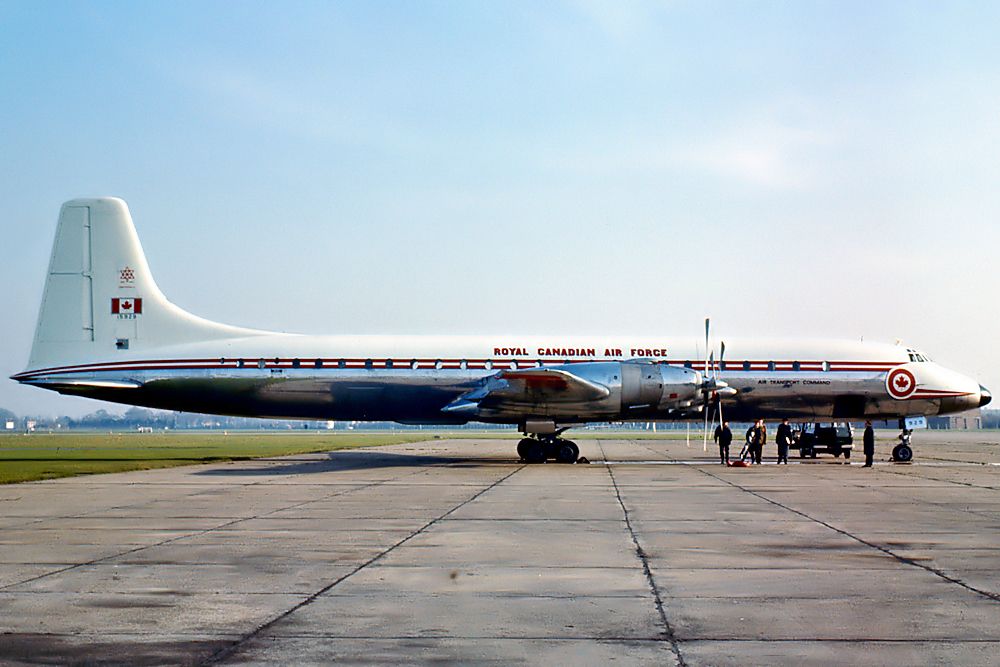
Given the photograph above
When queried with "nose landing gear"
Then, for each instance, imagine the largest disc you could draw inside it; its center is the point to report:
(903, 452)
(542, 448)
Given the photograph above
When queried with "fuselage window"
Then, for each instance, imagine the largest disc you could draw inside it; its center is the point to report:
(746, 365)
(222, 361)
(296, 363)
(488, 365)
(688, 364)
(240, 364)
(368, 364)
(438, 365)
(318, 363)
(260, 363)
(414, 364)
(388, 363)
(826, 366)
(513, 365)
(463, 364)
(341, 363)
(770, 365)
(796, 366)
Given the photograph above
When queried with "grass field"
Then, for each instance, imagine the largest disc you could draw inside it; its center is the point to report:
(25, 458)
(37, 456)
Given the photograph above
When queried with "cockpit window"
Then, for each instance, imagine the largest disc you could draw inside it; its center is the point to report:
(917, 356)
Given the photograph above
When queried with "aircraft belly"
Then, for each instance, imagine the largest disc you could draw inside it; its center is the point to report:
(347, 397)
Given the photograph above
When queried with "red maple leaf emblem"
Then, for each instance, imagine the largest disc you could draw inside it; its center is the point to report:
(126, 305)
(902, 382)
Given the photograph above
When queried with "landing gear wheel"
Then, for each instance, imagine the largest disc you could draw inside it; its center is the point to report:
(523, 448)
(568, 452)
(551, 448)
(847, 453)
(531, 450)
(902, 453)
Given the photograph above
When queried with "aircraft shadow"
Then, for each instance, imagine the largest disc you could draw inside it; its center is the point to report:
(340, 461)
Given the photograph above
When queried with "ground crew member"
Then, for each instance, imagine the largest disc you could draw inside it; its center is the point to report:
(759, 439)
(748, 447)
(723, 436)
(784, 439)
(869, 442)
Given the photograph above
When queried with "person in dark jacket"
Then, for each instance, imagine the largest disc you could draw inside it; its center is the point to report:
(748, 447)
(759, 440)
(723, 436)
(869, 442)
(784, 438)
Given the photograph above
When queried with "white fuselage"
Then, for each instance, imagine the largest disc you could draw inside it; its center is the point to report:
(412, 378)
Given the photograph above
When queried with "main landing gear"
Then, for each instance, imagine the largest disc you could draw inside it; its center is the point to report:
(540, 449)
(903, 452)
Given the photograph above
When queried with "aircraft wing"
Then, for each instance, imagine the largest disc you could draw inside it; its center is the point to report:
(549, 385)
(530, 386)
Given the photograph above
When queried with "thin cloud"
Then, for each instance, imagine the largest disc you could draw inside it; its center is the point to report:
(769, 155)
(618, 20)
(287, 108)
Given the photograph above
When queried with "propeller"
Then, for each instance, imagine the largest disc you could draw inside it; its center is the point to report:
(708, 362)
(712, 387)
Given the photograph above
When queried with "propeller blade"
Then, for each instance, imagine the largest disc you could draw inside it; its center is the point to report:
(707, 324)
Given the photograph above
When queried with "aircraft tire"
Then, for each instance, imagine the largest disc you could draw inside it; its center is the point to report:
(534, 450)
(522, 448)
(551, 448)
(902, 453)
(847, 453)
(568, 452)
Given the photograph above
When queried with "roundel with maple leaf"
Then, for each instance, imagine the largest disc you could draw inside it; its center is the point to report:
(900, 383)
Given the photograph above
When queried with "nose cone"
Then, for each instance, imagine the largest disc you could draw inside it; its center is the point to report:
(984, 396)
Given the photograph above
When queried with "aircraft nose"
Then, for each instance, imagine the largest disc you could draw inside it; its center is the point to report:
(984, 396)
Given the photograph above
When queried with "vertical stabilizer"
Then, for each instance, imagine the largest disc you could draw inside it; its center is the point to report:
(100, 299)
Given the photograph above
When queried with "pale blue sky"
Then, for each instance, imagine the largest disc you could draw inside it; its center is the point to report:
(801, 168)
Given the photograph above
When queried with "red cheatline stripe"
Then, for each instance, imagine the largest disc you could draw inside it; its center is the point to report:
(333, 362)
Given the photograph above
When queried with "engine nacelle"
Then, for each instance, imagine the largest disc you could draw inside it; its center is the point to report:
(656, 386)
(618, 390)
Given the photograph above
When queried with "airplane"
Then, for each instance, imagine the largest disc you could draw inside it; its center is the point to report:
(106, 331)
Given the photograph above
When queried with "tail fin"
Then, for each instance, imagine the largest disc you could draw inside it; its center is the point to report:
(100, 298)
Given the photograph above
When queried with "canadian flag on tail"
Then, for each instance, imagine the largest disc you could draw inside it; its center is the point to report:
(126, 306)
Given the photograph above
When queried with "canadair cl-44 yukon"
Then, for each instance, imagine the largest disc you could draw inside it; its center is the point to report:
(105, 331)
